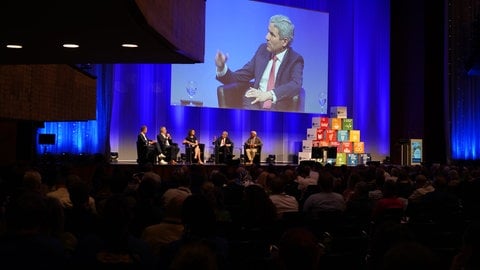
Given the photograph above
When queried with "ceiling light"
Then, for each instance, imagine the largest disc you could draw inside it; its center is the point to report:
(70, 45)
(129, 45)
(14, 46)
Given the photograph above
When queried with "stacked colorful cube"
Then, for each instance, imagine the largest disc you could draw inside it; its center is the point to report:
(335, 131)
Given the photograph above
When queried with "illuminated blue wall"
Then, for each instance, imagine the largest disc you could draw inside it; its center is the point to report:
(85, 137)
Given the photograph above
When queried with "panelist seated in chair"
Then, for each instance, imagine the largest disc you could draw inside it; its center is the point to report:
(223, 148)
(276, 70)
(168, 149)
(253, 147)
(193, 147)
(146, 148)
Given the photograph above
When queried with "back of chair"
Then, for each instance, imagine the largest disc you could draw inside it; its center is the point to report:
(231, 96)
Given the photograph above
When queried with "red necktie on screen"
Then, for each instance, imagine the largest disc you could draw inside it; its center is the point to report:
(271, 83)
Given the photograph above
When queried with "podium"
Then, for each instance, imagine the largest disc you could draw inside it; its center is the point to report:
(324, 153)
(411, 152)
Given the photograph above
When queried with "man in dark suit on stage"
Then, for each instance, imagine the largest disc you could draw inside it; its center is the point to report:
(146, 148)
(223, 148)
(166, 146)
(276, 68)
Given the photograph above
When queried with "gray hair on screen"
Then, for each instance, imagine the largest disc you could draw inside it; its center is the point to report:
(284, 25)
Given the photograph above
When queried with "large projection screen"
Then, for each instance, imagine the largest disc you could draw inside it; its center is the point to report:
(238, 27)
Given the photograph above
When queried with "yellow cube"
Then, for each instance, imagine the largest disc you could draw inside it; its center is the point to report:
(335, 123)
(358, 147)
(354, 135)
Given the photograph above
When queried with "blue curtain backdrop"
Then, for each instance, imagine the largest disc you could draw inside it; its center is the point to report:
(140, 94)
(85, 137)
(465, 115)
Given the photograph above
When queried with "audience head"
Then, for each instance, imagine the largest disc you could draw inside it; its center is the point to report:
(32, 181)
(258, 209)
(412, 256)
(325, 181)
(303, 170)
(470, 247)
(277, 185)
(218, 178)
(116, 218)
(361, 190)
(389, 189)
(79, 194)
(197, 255)
(173, 208)
(26, 214)
(299, 249)
(198, 216)
(420, 180)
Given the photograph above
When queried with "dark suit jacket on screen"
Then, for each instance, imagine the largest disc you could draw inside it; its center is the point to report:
(288, 82)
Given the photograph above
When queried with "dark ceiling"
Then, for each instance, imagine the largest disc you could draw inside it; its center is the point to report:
(99, 27)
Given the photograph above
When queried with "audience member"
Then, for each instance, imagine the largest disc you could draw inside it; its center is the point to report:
(62, 193)
(114, 246)
(422, 187)
(412, 256)
(198, 218)
(169, 229)
(26, 243)
(181, 192)
(80, 220)
(389, 206)
(283, 202)
(326, 199)
(468, 257)
(298, 249)
(304, 179)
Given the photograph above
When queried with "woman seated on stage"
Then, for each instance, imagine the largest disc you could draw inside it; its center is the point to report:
(192, 141)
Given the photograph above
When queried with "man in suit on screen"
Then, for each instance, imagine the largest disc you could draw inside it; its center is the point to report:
(277, 69)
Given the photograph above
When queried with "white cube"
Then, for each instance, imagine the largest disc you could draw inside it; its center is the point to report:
(307, 145)
(316, 122)
(311, 133)
(304, 156)
(338, 112)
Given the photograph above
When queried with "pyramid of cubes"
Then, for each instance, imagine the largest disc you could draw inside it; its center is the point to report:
(334, 140)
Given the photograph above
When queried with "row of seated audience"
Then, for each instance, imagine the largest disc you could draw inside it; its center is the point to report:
(237, 217)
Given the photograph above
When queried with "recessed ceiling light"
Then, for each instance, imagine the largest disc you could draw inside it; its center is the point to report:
(129, 45)
(70, 45)
(14, 46)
